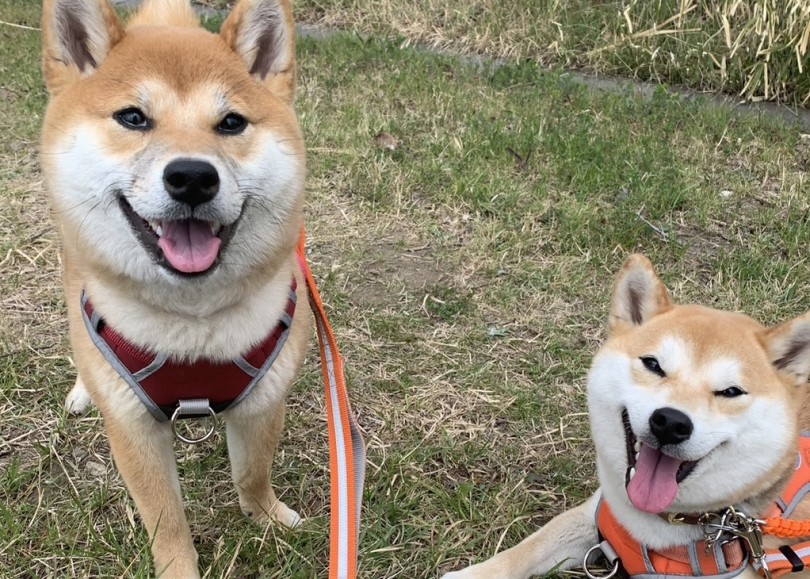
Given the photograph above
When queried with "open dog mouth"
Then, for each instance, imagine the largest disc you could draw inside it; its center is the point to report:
(189, 247)
(652, 477)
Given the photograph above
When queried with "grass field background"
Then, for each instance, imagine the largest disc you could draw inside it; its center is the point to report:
(757, 48)
(467, 273)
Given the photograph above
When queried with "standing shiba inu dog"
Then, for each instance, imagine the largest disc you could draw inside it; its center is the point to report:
(175, 168)
(692, 410)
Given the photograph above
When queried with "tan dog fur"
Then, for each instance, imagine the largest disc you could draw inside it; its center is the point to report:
(185, 79)
(744, 445)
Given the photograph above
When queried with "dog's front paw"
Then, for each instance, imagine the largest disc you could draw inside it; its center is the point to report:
(279, 512)
(78, 399)
(286, 516)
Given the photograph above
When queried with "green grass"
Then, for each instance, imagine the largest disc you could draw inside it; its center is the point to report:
(467, 275)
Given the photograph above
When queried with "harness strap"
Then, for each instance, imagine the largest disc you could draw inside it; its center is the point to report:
(799, 484)
(638, 560)
(722, 560)
(790, 558)
(787, 559)
(347, 454)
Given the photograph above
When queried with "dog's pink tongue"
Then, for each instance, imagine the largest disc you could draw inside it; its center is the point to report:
(654, 486)
(189, 245)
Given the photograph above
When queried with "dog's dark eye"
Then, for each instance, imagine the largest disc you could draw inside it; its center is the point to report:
(731, 392)
(133, 118)
(232, 124)
(653, 366)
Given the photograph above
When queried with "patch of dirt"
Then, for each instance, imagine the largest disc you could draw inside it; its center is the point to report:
(393, 269)
(702, 248)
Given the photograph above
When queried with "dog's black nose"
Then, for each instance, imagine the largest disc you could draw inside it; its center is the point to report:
(670, 426)
(191, 182)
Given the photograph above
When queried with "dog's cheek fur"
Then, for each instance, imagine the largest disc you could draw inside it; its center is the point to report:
(750, 462)
(273, 174)
(82, 185)
(607, 380)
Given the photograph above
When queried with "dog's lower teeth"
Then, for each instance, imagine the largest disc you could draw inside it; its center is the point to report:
(632, 473)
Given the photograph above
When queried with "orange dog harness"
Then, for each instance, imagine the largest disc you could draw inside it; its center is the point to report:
(724, 556)
(792, 558)
(699, 559)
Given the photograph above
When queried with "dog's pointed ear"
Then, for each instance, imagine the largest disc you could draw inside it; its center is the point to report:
(262, 33)
(788, 346)
(638, 294)
(76, 37)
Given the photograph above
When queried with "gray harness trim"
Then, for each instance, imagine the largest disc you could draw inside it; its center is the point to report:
(787, 510)
(91, 324)
(693, 559)
(259, 374)
(647, 563)
(156, 365)
(719, 556)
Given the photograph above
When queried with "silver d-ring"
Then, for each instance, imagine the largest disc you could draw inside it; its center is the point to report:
(211, 415)
(588, 572)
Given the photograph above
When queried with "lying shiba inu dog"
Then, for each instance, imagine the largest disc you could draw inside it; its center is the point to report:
(692, 411)
(174, 165)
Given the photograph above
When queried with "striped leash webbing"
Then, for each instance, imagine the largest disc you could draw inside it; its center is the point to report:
(347, 453)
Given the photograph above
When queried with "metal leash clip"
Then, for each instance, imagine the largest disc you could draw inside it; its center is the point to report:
(194, 408)
(738, 525)
(608, 554)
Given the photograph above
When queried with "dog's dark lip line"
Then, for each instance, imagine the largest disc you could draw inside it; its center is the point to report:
(149, 239)
(684, 470)
(143, 231)
(630, 443)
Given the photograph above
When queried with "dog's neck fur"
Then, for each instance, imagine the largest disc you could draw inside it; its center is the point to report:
(183, 321)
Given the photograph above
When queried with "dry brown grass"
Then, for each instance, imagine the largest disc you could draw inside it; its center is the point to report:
(757, 49)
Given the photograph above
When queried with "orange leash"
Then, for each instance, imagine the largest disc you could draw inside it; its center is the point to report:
(347, 453)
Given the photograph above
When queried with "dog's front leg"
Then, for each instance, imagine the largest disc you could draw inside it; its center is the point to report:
(561, 543)
(252, 442)
(143, 450)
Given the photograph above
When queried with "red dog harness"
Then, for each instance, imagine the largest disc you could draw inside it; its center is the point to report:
(197, 388)
(722, 558)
